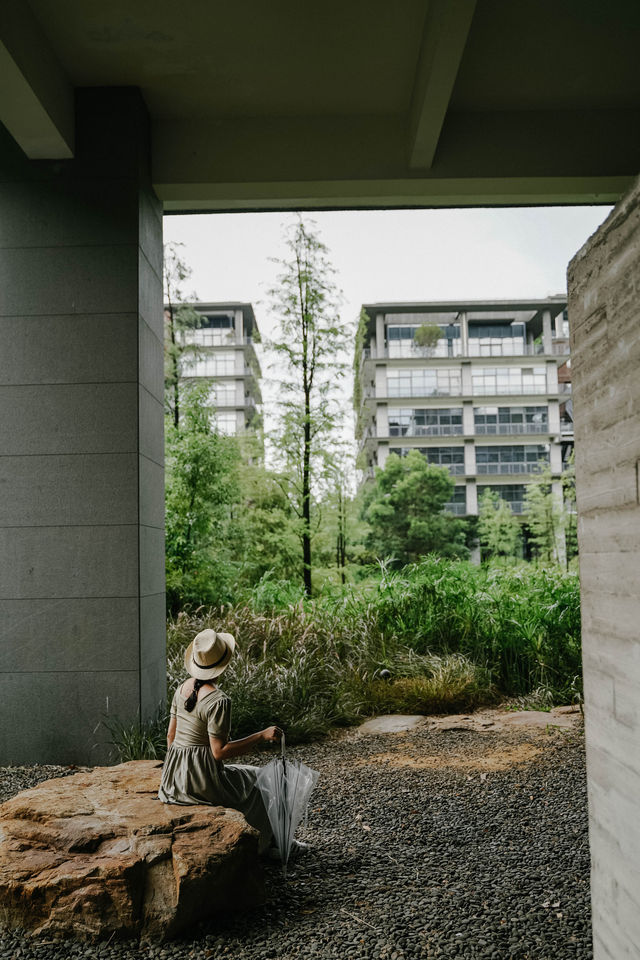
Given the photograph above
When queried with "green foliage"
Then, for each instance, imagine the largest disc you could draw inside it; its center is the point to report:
(570, 512)
(498, 529)
(403, 507)
(180, 319)
(427, 335)
(200, 485)
(360, 338)
(521, 622)
(139, 739)
(543, 516)
(315, 664)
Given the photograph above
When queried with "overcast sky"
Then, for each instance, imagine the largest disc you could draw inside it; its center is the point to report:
(392, 255)
(389, 255)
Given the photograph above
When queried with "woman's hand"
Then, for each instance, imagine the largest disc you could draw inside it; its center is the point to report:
(271, 733)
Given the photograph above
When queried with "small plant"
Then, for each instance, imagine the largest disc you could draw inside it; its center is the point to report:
(427, 335)
(139, 739)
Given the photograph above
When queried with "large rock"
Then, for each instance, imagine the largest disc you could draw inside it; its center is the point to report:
(96, 854)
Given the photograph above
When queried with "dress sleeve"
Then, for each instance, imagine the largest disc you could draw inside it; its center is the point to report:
(219, 718)
(173, 712)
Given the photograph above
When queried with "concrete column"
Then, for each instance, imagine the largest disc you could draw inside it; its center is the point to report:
(468, 423)
(553, 416)
(467, 388)
(547, 343)
(380, 335)
(472, 498)
(555, 457)
(604, 316)
(239, 325)
(81, 438)
(382, 420)
(383, 453)
(464, 333)
(552, 376)
(469, 457)
(381, 381)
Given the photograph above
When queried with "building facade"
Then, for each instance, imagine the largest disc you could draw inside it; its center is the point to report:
(482, 388)
(225, 356)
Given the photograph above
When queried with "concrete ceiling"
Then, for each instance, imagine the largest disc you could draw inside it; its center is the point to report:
(366, 103)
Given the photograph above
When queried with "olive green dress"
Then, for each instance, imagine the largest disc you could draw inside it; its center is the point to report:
(191, 774)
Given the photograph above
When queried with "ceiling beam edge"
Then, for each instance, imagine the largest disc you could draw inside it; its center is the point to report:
(36, 98)
(446, 29)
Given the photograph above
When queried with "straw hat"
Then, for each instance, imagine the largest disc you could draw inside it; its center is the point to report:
(208, 654)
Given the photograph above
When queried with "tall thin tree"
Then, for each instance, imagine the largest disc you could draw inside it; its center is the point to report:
(180, 320)
(310, 350)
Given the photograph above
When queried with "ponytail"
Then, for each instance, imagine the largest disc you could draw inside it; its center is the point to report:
(192, 699)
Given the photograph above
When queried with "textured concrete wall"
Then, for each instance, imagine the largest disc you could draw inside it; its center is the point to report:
(604, 312)
(81, 438)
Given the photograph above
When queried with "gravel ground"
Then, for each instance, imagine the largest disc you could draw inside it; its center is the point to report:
(426, 844)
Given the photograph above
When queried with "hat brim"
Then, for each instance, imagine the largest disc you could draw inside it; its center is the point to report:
(212, 672)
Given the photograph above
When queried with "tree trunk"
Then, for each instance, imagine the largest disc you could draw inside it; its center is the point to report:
(306, 499)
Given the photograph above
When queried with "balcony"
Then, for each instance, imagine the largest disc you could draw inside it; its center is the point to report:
(501, 469)
(494, 429)
(433, 430)
(457, 509)
(504, 348)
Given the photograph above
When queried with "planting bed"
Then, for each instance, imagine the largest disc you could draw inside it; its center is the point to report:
(429, 842)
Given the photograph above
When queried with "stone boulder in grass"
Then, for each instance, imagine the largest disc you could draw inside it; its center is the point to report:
(97, 855)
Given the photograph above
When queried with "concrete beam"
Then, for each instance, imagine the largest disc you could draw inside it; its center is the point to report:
(332, 162)
(446, 29)
(36, 98)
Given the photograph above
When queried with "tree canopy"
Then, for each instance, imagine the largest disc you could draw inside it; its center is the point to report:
(404, 510)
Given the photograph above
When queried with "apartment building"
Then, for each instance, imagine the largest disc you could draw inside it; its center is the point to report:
(226, 357)
(488, 398)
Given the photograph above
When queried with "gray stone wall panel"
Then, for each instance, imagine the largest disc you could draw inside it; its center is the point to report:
(69, 490)
(51, 419)
(84, 348)
(63, 562)
(66, 714)
(81, 634)
(604, 312)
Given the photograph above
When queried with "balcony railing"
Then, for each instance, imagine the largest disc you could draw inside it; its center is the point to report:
(511, 428)
(446, 349)
(431, 430)
(505, 348)
(503, 468)
(458, 509)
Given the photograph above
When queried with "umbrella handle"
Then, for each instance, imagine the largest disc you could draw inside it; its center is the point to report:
(282, 744)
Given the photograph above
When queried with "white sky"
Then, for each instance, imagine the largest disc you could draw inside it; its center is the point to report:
(390, 255)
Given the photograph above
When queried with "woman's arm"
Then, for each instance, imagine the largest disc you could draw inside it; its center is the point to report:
(171, 732)
(235, 748)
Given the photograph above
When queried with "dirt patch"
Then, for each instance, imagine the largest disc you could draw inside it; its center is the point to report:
(500, 759)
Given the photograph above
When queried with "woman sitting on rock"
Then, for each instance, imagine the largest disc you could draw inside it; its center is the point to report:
(198, 740)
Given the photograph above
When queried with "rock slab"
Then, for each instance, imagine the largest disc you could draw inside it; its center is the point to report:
(97, 855)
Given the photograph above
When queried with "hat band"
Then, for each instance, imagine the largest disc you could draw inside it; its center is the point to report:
(209, 666)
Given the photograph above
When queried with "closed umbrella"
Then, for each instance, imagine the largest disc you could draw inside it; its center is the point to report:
(286, 786)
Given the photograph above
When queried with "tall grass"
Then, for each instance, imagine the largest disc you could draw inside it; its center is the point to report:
(438, 636)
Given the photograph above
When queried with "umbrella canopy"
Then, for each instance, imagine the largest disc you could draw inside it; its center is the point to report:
(286, 786)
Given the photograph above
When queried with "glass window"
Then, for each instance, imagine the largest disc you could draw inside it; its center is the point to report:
(425, 422)
(458, 502)
(211, 365)
(450, 457)
(510, 420)
(401, 341)
(442, 381)
(516, 458)
(513, 493)
(508, 380)
(226, 423)
(223, 393)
